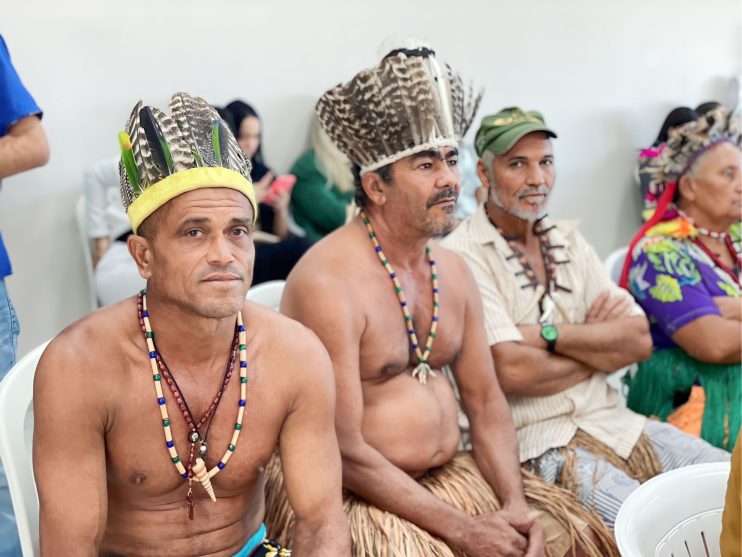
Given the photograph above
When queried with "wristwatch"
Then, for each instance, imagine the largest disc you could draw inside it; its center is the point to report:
(550, 334)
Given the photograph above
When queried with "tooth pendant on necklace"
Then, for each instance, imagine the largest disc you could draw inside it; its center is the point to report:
(421, 371)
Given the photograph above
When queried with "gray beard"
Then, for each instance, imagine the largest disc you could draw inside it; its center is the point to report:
(523, 215)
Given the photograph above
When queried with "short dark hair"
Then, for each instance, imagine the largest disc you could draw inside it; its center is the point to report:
(385, 173)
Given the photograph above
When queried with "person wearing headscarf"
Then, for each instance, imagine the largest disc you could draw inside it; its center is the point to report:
(683, 268)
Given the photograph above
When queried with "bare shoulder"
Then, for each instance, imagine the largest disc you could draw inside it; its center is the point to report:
(94, 340)
(331, 266)
(335, 251)
(83, 367)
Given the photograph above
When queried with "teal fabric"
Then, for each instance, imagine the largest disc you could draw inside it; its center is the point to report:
(316, 207)
(252, 544)
(652, 390)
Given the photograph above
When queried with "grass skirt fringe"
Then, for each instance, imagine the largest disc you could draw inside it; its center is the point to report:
(642, 464)
(377, 533)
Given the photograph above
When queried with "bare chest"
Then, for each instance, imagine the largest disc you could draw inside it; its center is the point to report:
(139, 464)
(394, 339)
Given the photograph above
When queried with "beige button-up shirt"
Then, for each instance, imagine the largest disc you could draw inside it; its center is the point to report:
(547, 422)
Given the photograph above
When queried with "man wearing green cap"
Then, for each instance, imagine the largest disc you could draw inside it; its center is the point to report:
(557, 325)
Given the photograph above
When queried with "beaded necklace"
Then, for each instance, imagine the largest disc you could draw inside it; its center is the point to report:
(423, 369)
(703, 231)
(724, 237)
(550, 262)
(157, 365)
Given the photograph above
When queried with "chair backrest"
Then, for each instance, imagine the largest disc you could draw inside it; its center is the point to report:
(82, 228)
(267, 293)
(613, 264)
(16, 438)
(675, 513)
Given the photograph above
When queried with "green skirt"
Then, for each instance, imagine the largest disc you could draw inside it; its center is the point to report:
(652, 390)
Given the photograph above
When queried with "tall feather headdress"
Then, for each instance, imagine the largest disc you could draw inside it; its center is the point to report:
(164, 156)
(406, 104)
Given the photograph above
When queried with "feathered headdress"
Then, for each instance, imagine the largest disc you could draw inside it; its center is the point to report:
(685, 144)
(164, 156)
(406, 104)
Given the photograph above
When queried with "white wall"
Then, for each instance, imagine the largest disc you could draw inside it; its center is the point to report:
(603, 73)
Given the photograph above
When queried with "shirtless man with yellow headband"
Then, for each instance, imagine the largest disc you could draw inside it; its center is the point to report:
(155, 417)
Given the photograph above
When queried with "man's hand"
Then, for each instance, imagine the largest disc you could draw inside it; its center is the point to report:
(607, 307)
(526, 523)
(730, 307)
(493, 535)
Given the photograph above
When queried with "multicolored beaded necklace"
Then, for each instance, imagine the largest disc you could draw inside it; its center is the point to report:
(703, 231)
(715, 257)
(423, 369)
(158, 365)
(550, 262)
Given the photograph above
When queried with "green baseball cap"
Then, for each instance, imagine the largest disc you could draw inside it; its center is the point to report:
(500, 132)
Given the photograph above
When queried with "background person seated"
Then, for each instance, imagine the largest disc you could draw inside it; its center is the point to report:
(684, 270)
(323, 193)
(273, 261)
(115, 274)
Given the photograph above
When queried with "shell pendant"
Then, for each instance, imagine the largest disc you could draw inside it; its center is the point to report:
(422, 371)
(199, 470)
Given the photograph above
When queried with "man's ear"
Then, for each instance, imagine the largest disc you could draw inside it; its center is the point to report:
(374, 188)
(140, 250)
(483, 174)
(687, 188)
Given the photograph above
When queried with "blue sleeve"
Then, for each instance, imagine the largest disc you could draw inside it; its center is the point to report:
(15, 101)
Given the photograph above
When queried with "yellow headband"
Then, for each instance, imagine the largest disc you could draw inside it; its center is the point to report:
(155, 196)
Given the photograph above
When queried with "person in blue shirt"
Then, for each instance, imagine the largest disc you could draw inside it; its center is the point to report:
(23, 146)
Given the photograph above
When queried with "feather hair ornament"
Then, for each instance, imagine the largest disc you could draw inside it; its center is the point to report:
(686, 143)
(163, 156)
(408, 103)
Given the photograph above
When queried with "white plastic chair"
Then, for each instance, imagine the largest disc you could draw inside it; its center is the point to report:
(16, 439)
(267, 293)
(80, 217)
(614, 263)
(675, 514)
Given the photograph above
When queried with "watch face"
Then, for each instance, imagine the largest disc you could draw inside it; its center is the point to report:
(549, 333)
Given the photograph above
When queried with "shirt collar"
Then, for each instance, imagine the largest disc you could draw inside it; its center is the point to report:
(484, 232)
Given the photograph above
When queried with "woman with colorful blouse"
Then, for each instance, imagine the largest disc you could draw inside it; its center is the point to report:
(683, 268)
